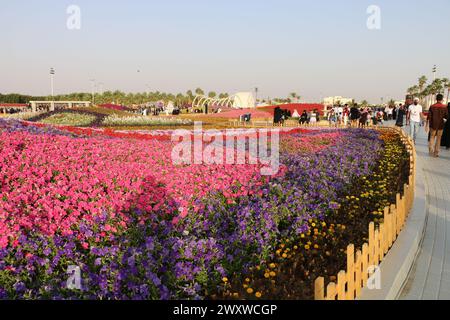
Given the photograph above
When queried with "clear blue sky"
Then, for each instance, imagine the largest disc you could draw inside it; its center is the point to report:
(315, 48)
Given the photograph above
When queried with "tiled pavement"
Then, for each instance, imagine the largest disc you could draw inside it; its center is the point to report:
(429, 279)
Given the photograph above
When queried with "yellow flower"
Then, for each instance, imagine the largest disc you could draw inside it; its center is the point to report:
(249, 290)
(272, 274)
(225, 279)
(247, 280)
(258, 294)
(284, 255)
(316, 246)
(266, 275)
(272, 265)
(307, 247)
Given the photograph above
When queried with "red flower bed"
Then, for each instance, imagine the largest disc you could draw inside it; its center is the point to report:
(114, 107)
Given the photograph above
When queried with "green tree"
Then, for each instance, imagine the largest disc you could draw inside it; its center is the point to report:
(293, 95)
(422, 82)
(445, 86)
(199, 92)
(414, 90)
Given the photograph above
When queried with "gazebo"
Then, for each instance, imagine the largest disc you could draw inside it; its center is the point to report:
(240, 100)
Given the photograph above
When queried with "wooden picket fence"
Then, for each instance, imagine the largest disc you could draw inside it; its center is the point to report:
(360, 264)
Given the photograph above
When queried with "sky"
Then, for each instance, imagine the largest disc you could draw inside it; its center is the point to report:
(314, 48)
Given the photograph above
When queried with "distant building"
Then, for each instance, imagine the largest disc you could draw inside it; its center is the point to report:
(330, 101)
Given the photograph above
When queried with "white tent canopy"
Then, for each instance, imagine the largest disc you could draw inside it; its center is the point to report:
(241, 100)
(244, 100)
(295, 114)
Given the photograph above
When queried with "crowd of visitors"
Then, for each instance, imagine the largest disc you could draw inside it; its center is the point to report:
(356, 116)
(435, 122)
(410, 115)
(309, 118)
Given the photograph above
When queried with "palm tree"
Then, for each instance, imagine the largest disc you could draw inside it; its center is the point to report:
(293, 95)
(446, 86)
(179, 99)
(212, 94)
(448, 90)
(190, 95)
(199, 92)
(414, 90)
(422, 82)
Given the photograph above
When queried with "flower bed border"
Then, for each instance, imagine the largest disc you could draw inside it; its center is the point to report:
(360, 265)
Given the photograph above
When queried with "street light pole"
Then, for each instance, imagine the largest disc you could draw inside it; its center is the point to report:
(52, 74)
(93, 91)
(434, 72)
(256, 96)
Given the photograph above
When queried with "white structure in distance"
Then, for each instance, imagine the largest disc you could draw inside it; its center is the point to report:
(295, 114)
(331, 101)
(240, 100)
(170, 107)
(244, 100)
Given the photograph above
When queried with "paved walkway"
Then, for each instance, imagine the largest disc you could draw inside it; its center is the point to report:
(429, 279)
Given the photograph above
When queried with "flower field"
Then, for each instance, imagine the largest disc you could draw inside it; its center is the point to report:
(114, 120)
(74, 119)
(102, 116)
(140, 227)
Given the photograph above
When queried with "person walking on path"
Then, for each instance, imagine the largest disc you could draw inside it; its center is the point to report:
(437, 118)
(400, 115)
(415, 114)
(313, 118)
(363, 119)
(445, 142)
(346, 115)
(304, 118)
(354, 115)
